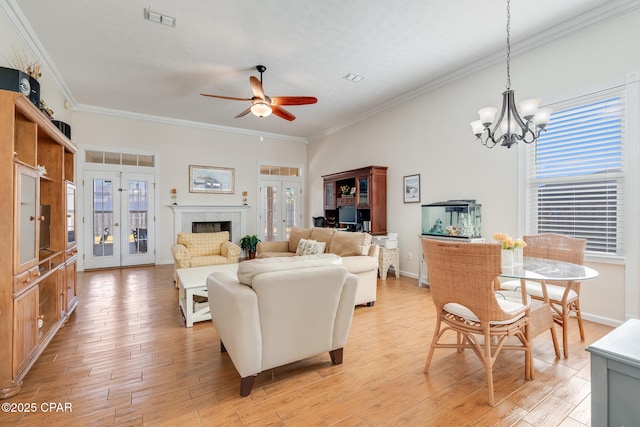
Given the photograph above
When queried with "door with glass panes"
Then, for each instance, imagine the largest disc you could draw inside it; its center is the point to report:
(280, 209)
(119, 219)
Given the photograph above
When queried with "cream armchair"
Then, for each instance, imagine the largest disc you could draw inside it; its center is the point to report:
(285, 312)
(200, 249)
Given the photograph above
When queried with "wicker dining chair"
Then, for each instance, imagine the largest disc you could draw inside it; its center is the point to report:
(540, 317)
(563, 296)
(461, 279)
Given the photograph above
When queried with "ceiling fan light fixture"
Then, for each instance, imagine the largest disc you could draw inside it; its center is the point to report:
(261, 109)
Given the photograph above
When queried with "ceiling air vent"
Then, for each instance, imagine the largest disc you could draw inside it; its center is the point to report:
(353, 77)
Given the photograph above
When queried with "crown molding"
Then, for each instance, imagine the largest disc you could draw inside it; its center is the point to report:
(605, 12)
(185, 123)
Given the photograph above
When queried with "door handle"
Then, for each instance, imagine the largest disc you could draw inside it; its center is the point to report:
(116, 224)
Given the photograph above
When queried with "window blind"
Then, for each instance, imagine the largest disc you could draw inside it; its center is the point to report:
(575, 172)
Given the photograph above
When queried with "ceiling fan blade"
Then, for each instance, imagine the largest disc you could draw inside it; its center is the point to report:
(244, 113)
(281, 112)
(256, 87)
(293, 100)
(226, 97)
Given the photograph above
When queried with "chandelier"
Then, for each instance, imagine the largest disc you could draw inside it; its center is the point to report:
(512, 126)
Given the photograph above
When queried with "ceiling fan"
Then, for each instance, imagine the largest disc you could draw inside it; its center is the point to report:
(262, 105)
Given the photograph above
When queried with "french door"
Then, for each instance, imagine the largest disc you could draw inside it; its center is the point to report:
(119, 219)
(280, 209)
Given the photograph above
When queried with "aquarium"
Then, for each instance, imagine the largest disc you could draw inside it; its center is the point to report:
(453, 218)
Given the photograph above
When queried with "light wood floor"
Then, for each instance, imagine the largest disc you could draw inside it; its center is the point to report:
(125, 358)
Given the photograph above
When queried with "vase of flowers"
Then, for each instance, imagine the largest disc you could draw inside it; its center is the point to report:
(509, 246)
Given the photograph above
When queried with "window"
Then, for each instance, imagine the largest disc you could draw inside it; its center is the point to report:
(106, 157)
(575, 179)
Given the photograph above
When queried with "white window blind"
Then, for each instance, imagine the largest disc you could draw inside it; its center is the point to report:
(575, 172)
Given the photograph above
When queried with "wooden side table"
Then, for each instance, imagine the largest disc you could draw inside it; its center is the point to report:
(386, 259)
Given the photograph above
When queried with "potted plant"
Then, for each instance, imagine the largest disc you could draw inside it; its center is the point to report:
(249, 244)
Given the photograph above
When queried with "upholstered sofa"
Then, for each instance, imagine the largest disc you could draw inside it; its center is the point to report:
(200, 249)
(359, 255)
(280, 310)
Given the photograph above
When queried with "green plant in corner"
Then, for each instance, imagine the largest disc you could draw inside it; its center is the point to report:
(249, 243)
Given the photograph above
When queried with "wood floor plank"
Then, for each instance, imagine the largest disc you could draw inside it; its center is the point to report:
(125, 358)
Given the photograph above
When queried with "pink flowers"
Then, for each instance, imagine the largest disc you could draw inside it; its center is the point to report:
(507, 242)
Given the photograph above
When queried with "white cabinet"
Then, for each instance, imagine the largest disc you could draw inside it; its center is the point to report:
(615, 376)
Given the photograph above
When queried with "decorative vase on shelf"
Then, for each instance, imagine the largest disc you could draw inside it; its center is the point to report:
(507, 258)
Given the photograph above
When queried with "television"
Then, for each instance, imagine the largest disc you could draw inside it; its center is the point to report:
(45, 227)
(347, 215)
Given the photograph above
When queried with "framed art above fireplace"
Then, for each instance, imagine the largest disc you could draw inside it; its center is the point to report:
(211, 179)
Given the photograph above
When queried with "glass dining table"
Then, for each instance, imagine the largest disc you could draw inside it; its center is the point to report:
(544, 270)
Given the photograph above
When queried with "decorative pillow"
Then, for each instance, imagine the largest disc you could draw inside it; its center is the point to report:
(248, 269)
(310, 247)
(301, 245)
(366, 244)
(314, 248)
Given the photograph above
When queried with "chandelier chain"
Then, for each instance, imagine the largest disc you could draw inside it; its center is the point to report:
(508, 44)
(523, 122)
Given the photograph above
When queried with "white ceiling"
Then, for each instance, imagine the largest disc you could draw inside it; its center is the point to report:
(106, 56)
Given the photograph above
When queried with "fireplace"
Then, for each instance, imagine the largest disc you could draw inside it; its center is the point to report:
(235, 215)
(211, 227)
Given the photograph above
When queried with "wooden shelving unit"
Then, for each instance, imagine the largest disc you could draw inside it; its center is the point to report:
(38, 266)
(369, 197)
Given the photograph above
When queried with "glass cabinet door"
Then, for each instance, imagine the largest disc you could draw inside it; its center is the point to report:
(363, 191)
(71, 215)
(330, 195)
(27, 216)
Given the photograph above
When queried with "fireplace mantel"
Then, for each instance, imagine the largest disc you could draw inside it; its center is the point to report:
(184, 215)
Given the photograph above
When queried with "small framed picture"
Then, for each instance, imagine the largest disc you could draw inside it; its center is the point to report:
(412, 188)
(210, 179)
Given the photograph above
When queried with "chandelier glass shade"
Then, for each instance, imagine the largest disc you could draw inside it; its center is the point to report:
(517, 123)
(261, 109)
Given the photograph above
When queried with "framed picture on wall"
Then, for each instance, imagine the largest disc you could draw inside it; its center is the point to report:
(411, 188)
(211, 179)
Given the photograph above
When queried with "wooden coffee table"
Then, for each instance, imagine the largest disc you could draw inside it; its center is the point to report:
(193, 283)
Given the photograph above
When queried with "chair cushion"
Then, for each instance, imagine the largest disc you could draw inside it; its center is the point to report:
(201, 261)
(506, 305)
(203, 244)
(513, 296)
(534, 289)
(247, 270)
(275, 254)
(346, 243)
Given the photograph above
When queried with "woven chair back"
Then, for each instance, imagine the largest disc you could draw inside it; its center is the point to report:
(463, 273)
(555, 246)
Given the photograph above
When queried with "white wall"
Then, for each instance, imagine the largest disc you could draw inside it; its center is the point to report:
(430, 135)
(176, 148)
